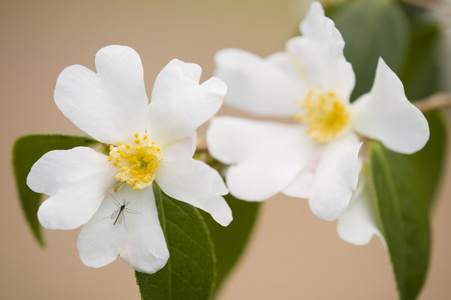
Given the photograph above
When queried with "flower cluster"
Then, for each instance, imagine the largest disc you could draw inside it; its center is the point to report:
(318, 156)
(148, 143)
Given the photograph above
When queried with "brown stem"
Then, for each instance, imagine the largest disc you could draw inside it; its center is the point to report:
(434, 102)
(201, 147)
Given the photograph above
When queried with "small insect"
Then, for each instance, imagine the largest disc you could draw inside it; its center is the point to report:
(119, 214)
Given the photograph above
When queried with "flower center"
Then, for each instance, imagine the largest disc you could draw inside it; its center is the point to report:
(137, 163)
(325, 115)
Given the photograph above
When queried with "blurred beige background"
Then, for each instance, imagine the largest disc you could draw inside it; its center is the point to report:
(293, 254)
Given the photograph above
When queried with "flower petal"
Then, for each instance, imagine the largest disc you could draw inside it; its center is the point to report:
(264, 156)
(144, 246)
(110, 105)
(287, 64)
(256, 85)
(320, 29)
(133, 233)
(319, 53)
(336, 178)
(179, 104)
(196, 183)
(99, 241)
(76, 180)
(301, 185)
(182, 149)
(357, 225)
(386, 115)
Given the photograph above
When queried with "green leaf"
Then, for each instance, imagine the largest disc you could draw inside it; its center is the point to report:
(191, 269)
(231, 241)
(404, 187)
(371, 29)
(26, 151)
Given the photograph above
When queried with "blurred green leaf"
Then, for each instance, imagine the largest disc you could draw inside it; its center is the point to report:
(190, 272)
(231, 241)
(422, 71)
(371, 29)
(26, 151)
(404, 189)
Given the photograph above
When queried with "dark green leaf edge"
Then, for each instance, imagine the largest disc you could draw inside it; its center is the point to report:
(159, 285)
(410, 267)
(395, 230)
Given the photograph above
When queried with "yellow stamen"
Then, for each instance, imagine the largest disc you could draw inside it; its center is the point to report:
(139, 167)
(325, 114)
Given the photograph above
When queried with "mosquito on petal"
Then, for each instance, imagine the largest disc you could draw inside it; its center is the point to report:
(119, 214)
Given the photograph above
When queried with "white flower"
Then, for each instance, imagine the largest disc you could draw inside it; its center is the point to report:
(318, 156)
(149, 142)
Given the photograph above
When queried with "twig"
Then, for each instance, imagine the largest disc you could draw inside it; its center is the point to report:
(438, 6)
(434, 102)
(201, 147)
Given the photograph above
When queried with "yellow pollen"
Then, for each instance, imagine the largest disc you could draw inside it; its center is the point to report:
(325, 114)
(139, 168)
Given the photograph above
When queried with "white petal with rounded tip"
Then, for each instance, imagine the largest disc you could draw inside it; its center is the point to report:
(110, 105)
(264, 156)
(301, 185)
(194, 175)
(386, 115)
(179, 104)
(319, 53)
(336, 178)
(136, 236)
(144, 246)
(76, 180)
(182, 149)
(196, 183)
(256, 85)
(357, 225)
